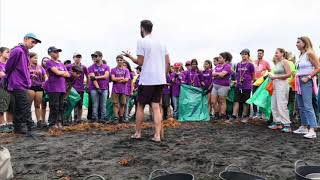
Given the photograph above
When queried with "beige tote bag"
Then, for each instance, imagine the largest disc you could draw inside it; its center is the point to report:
(5, 164)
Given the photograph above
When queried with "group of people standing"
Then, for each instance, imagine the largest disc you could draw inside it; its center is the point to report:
(156, 83)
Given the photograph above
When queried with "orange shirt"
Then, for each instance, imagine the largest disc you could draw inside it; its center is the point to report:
(261, 67)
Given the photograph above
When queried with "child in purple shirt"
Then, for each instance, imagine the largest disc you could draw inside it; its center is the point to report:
(38, 77)
(206, 80)
(245, 75)
(176, 79)
(79, 85)
(165, 100)
(55, 86)
(193, 76)
(129, 90)
(120, 75)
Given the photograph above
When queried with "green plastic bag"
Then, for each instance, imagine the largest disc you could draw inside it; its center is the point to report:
(230, 100)
(71, 103)
(262, 99)
(193, 104)
(86, 100)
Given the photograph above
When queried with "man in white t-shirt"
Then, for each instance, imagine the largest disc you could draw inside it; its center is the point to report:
(154, 59)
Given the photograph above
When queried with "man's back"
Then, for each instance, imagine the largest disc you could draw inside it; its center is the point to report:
(154, 65)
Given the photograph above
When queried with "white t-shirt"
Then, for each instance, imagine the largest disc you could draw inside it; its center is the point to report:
(154, 65)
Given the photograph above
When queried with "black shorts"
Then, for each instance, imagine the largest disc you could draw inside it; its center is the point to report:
(36, 88)
(149, 94)
(243, 96)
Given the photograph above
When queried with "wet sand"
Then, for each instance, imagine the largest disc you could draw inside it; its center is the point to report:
(203, 149)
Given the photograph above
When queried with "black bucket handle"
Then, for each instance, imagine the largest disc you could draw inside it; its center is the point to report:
(232, 166)
(296, 164)
(157, 170)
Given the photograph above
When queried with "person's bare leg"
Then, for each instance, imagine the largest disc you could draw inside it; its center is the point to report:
(2, 121)
(37, 102)
(139, 120)
(9, 117)
(223, 105)
(116, 110)
(245, 109)
(214, 101)
(121, 110)
(31, 96)
(43, 111)
(235, 109)
(157, 121)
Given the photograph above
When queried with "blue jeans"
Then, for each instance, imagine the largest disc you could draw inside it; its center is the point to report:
(175, 103)
(99, 101)
(304, 101)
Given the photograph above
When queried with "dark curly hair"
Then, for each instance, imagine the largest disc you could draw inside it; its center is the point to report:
(227, 56)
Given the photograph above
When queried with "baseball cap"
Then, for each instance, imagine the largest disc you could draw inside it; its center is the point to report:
(33, 36)
(245, 51)
(76, 54)
(53, 49)
(97, 53)
(188, 63)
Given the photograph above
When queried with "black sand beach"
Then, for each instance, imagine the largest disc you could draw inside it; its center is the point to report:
(203, 149)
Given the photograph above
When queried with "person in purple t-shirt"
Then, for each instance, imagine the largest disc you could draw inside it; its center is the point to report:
(18, 78)
(176, 79)
(98, 86)
(206, 80)
(55, 86)
(5, 127)
(193, 76)
(79, 85)
(120, 75)
(129, 90)
(221, 85)
(165, 99)
(38, 77)
(245, 75)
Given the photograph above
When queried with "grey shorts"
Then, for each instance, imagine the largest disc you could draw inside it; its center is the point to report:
(218, 90)
(4, 100)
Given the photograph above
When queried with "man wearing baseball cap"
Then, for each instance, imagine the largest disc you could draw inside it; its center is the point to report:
(18, 82)
(78, 85)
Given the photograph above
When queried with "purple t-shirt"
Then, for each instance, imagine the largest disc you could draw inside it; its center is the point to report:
(166, 88)
(128, 84)
(55, 83)
(206, 77)
(222, 81)
(176, 81)
(244, 75)
(120, 88)
(78, 85)
(2, 68)
(193, 77)
(18, 65)
(37, 74)
(99, 70)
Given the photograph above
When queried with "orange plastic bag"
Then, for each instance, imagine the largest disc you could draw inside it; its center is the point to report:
(269, 88)
(293, 84)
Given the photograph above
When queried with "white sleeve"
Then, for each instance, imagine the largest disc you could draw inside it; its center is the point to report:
(140, 48)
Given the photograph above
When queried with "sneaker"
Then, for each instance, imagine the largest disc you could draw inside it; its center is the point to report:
(233, 118)
(245, 119)
(216, 117)
(301, 130)
(275, 126)
(115, 120)
(11, 127)
(310, 135)
(286, 129)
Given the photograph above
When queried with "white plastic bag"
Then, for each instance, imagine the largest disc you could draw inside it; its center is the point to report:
(5, 164)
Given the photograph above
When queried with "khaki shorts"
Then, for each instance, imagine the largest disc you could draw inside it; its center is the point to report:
(119, 98)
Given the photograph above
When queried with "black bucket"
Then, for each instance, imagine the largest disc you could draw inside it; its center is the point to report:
(237, 174)
(170, 176)
(306, 172)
